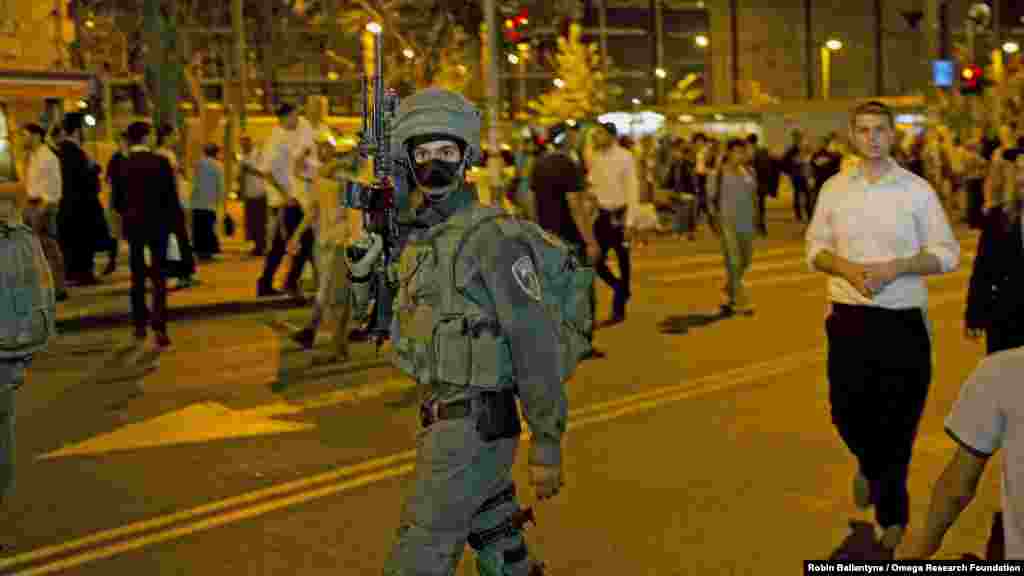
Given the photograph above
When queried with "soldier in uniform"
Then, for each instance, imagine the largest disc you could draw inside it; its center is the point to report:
(469, 325)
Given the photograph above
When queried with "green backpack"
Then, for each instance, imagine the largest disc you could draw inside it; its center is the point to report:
(566, 286)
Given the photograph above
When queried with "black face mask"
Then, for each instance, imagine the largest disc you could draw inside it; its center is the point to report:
(436, 173)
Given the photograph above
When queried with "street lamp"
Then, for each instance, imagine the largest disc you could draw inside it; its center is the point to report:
(685, 118)
(559, 83)
(832, 45)
(408, 53)
(702, 41)
(374, 28)
(636, 101)
(1011, 47)
(513, 59)
(660, 73)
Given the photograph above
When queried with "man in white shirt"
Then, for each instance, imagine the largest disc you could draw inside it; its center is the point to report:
(986, 417)
(43, 186)
(877, 230)
(281, 155)
(613, 182)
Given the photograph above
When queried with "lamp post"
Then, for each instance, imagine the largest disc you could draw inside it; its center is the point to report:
(830, 46)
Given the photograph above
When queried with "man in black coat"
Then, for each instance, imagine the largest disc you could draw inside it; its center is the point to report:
(81, 224)
(768, 171)
(148, 204)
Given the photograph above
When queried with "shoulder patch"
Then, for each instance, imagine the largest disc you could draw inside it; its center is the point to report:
(526, 277)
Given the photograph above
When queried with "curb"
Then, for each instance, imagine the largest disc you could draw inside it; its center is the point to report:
(212, 310)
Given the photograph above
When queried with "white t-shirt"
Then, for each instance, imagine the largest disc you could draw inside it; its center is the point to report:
(43, 179)
(989, 415)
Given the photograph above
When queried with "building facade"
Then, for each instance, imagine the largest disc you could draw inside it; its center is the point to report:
(771, 46)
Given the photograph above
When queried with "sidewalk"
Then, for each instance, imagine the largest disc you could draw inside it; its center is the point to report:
(227, 286)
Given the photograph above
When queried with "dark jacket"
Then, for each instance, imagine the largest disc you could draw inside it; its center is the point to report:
(148, 199)
(80, 218)
(995, 297)
(769, 171)
(680, 178)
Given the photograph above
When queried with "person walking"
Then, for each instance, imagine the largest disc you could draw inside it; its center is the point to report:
(149, 209)
(877, 231)
(183, 269)
(975, 168)
(207, 195)
(329, 217)
(794, 166)
(80, 221)
(282, 159)
(995, 296)
(733, 193)
(255, 194)
(983, 421)
(113, 184)
(43, 189)
(613, 180)
(768, 171)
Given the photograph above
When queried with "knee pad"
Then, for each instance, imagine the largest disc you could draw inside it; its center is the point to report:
(497, 540)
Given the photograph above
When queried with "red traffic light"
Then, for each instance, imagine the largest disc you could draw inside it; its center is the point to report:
(972, 79)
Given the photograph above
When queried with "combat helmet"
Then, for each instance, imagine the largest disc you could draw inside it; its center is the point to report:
(435, 111)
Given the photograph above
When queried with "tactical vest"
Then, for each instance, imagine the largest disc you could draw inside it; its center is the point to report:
(444, 328)
(440, 336)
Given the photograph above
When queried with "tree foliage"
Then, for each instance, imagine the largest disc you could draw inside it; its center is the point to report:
(583, 91)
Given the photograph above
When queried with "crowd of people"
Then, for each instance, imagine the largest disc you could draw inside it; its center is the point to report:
(592, 190)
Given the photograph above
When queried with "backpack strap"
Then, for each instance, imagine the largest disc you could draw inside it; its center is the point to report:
(465, 239)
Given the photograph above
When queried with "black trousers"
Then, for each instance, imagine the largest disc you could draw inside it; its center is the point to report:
(762, 206)
(141, 316)
(801, 199)
(610, 235)
(879, 371)
(292, 218)
(256, 223)
(975, 203)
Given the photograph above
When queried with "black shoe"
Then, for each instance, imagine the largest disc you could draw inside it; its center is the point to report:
(61, 296)
(617, 318)
(267, 292)
(304, 338)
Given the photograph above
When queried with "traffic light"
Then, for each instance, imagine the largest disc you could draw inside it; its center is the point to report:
(515, 30)
(972, 79)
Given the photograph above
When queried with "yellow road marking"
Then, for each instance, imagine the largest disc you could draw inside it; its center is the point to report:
(394, 466)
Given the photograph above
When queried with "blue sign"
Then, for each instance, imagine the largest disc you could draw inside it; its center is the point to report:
(942, 73)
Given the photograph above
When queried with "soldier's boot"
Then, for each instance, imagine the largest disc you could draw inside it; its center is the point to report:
(497, 538)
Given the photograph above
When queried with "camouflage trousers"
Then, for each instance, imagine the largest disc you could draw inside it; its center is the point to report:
(456, 474)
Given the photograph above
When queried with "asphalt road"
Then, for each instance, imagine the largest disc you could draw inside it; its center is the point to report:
(699, 443)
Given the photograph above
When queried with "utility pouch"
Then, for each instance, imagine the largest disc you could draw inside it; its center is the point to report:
(499, 417)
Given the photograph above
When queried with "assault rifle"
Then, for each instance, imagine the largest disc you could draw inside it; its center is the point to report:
(377, 199)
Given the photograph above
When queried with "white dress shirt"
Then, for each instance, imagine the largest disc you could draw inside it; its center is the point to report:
(277, 163)
(43, 179)
(613, 180)
(896, 217)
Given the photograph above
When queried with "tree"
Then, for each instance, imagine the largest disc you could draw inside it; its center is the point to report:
(581, 90)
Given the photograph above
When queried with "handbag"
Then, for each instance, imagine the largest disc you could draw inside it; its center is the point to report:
(229, 226)
(173, 249)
